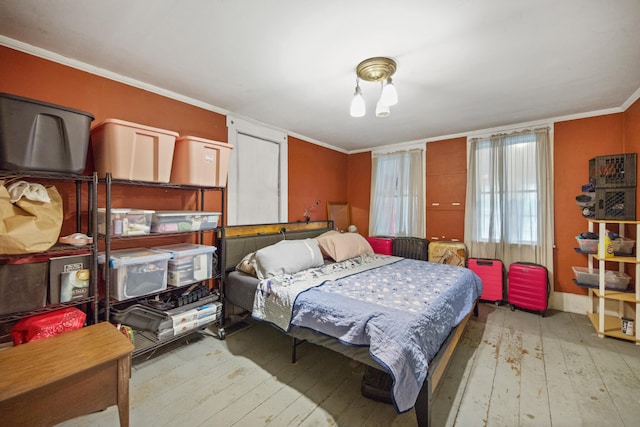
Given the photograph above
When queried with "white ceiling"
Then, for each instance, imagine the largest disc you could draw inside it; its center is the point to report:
(463, 65)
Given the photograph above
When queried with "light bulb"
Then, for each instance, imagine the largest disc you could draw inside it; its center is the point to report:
(382, 110)
(358, 107)
(389, 95)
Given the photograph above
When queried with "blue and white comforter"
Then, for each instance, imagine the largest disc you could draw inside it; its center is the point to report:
(403, 310)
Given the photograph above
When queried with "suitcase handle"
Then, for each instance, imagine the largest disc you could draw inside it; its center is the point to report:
(486, 262)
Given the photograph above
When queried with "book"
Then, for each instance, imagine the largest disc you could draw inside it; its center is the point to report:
(64, 264)
(74, 285)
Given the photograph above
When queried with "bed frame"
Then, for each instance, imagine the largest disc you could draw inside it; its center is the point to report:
(237, 241)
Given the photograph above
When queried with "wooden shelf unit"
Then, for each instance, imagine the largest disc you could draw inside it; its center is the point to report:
(609, 325)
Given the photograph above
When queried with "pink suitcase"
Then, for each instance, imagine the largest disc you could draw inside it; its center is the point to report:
(381, 245)
(491, 272)
(528, 287)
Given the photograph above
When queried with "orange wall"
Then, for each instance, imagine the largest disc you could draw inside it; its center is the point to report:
(33, 77)
(575, 142)
(360, 190)
(632, 131)
(315, 173)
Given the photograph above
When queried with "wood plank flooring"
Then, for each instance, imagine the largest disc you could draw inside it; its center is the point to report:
(510, 369)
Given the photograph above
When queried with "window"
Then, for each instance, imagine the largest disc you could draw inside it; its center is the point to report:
(509, 209)
(516, 195)
(397, 194)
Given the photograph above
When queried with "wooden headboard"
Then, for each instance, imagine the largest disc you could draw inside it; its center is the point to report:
(236, 241)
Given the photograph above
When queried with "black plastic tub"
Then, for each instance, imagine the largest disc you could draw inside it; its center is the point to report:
(38, 136)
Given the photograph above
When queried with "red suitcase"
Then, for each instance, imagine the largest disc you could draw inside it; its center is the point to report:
(491, 272)
(381, 245)
(528, 287)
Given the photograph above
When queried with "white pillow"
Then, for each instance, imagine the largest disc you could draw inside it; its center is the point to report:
(287, 257)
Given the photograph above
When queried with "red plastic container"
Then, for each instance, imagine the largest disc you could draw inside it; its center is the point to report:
(381, 245)
(528, 287)
(491, 272)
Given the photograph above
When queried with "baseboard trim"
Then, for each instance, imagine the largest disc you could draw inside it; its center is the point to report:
(572, 303)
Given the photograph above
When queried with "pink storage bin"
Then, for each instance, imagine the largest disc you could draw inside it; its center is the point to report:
(132, 152)
(201, 162)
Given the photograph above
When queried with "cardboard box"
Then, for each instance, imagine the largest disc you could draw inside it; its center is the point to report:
(628, 326)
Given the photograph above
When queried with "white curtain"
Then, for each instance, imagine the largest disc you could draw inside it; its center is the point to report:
(509, 205)
(397, 194)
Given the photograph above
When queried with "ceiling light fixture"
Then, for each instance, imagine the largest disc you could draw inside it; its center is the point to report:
(377, 69)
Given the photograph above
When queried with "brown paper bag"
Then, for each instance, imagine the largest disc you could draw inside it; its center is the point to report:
(29, 226)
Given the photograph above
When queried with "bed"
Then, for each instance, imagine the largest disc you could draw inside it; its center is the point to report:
(401, 316)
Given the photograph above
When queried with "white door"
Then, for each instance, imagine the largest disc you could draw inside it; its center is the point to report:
(257, 187)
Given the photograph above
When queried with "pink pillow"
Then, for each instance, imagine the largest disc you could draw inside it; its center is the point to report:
(342, 246)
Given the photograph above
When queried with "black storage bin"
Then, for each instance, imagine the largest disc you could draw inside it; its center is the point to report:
(377, 385)
(613, 171)
(411, 247)
(39, 136)
(616, 203)
(23, 284)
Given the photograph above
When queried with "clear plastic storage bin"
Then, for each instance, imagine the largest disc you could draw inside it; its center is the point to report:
(125, 221)
(612, 279)
(189, 263)
(623, 246)
(136, 272)
(588, 246)
(174, 221)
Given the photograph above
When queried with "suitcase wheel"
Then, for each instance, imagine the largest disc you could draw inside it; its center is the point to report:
(512, 307)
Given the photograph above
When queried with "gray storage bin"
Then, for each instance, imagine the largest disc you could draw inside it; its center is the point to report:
(23, 285)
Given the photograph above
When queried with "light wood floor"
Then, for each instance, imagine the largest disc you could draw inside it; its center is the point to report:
(510, 369)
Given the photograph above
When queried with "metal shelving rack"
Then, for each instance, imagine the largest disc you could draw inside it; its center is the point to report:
(60, 249)
(145, 342)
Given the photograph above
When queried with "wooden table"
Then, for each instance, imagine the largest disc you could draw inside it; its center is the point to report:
(48, 381)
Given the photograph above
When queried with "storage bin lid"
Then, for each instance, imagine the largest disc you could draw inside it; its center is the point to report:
(133, 125)
(204, 141)
(186, 249)
(127, 211)
(168, 214)
(46, 104)
(133, 256)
